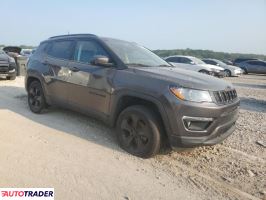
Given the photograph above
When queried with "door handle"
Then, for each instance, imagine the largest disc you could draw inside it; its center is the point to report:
(74, 69)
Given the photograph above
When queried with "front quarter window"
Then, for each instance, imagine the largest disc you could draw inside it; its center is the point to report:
(133, 54)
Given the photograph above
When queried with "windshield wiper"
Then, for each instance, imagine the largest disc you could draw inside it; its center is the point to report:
(138, 65)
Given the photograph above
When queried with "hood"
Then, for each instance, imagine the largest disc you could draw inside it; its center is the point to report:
(184, 78)
(211, 66)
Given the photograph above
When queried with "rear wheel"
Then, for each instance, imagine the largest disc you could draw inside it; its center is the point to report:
(36, 98)
(139, 131)
(227, 73)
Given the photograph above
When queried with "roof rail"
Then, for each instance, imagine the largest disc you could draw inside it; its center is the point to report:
(73, 35)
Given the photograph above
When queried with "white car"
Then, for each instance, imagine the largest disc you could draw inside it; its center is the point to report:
(195, 64)
(230, 70)
(26, 52)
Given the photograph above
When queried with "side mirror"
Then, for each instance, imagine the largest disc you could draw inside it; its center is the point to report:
(101, 61)
(193, 63)
(218, 64)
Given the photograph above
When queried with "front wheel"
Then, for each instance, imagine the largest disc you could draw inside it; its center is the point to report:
(204, 72)
(227, 73)
(139, 131)
(36, 98)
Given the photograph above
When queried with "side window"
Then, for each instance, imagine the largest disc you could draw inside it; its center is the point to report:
(41, 48)
(61, 49)
(211, 62)
(85, 51)
(173, 59)
(254, 62)
(185, 60)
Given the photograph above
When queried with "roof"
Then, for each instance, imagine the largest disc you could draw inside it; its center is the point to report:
(73, 35)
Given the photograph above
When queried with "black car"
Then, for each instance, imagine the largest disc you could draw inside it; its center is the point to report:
(7, 66)
(149, 101)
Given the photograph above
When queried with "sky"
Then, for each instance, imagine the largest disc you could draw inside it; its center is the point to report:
(220, 25)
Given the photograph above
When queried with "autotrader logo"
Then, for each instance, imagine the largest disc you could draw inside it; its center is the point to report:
(27, 193)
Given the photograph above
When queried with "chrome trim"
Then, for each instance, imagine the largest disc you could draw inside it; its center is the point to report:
(204, 119)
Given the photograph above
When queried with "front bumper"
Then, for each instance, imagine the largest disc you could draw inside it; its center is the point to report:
(7, 69)
(237, 73)
(218, 74)
(221, 126)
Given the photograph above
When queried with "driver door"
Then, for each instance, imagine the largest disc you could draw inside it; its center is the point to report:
(89, 85)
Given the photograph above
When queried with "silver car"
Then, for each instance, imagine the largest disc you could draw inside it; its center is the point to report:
(195, 64)
(253, 66)
(229, 70)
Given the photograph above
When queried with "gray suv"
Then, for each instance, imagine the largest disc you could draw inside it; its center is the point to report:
(150, 102)
(253, 66)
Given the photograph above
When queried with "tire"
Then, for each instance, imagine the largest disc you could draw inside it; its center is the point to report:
(204, 72)
(245, 70)
(11, 77)
(139, 131)
(227, 73)
(36, 99)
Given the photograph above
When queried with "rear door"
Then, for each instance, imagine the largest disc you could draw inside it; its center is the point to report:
(58, 55)
(90, 86)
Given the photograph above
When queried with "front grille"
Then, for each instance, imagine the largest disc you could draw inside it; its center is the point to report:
(225, 96)
(3, 68)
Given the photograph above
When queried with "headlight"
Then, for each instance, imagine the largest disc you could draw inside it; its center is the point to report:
(191, 94)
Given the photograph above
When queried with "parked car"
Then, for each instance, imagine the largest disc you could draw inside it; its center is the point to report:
(228, 62)
(127, 86)
(7, 66)
(239, 60)
(195, 64)
(253, 66)
(229, 70)
(26, 52)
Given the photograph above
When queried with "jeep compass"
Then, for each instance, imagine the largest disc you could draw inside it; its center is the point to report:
(125, 85)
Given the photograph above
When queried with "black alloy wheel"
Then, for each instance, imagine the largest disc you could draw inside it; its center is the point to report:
(138, 131)
(36, 98)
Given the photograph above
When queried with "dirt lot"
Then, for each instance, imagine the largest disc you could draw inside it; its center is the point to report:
(79, 157)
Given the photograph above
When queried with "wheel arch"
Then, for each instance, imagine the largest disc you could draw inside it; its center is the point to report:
(132, 98)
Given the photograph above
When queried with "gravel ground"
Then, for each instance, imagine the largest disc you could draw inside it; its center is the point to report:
(41, 151)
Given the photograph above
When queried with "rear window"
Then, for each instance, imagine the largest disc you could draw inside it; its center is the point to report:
(172, 59)
(61, 49)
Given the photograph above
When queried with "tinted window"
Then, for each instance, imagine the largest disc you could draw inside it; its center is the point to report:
(173, 59)
(41, 48)
(61, 49)
(256, 63)
(86, 51)
(185, 60)
(211, 62)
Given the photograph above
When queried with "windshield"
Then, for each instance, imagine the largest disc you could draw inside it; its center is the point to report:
(2, 52)
(197, 61)
(134, 54)
(220, 62)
